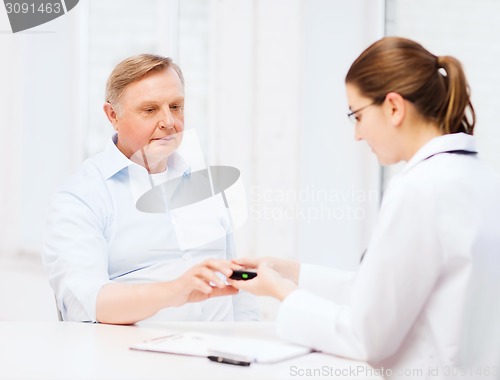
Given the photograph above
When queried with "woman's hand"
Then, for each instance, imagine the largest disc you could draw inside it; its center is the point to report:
(286, 268)
(268, 282)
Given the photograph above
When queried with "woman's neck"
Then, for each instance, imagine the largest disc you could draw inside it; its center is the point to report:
(418, 135)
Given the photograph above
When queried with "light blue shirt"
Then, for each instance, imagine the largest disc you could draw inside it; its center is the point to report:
(95, 235)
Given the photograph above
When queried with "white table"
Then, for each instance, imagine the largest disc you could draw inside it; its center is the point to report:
(66, 350)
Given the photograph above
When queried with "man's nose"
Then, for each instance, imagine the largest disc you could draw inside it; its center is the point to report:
(166, 121)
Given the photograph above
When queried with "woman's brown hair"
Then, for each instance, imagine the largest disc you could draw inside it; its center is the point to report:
(435, 85)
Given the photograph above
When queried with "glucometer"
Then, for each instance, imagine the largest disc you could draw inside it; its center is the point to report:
(242, 275)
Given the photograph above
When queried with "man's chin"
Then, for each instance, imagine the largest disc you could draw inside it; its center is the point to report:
(157, 154)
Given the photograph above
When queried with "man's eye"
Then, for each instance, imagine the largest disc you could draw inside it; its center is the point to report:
(176, 107)
(149, 110)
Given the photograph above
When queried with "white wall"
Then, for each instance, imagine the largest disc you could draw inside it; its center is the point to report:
(278, 113)
(338, 176)
(40, 125)
(40, 143)
(469, 31)
(255, 112)
(10, 137)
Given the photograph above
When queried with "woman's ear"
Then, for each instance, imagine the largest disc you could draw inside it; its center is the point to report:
(111, 114)
(395, 108)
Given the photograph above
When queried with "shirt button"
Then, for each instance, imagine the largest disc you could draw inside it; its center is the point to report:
(186, 256)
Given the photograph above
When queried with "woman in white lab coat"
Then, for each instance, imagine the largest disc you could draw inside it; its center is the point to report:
(435, 251)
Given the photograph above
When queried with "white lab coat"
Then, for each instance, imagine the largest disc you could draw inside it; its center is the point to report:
(435, 249)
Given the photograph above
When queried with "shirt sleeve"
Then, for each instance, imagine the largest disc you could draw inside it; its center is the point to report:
(332, 284)
(387, 294)
(75, 254)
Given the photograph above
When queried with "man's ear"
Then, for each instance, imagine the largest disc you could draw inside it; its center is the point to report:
(395, 108)
(111, 114)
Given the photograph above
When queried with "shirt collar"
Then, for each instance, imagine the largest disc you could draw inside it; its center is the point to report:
(115, 161)
(442, 144)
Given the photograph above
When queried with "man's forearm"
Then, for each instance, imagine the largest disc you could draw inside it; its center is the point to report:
(130, 303)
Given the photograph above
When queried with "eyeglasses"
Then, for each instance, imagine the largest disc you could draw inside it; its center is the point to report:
(352, 115)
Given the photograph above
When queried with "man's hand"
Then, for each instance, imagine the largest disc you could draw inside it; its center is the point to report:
(202, 282)
(120, 303)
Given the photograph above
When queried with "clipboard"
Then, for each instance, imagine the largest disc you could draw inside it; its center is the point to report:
(248, 350)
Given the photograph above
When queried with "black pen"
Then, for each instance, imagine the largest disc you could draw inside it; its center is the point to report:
(221, 359)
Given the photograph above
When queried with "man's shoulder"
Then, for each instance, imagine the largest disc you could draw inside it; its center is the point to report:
(88, 178)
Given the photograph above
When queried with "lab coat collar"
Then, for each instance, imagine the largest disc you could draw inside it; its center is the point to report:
(442, 144)
(115, 161)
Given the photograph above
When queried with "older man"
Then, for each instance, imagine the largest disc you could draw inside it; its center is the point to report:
(110, 262)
